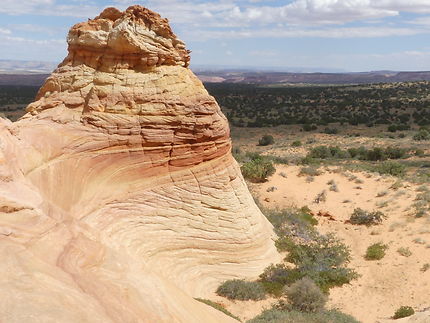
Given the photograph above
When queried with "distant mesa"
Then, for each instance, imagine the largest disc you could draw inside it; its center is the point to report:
(121, 200)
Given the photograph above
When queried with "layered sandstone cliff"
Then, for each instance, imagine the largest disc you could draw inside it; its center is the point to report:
(120, 200)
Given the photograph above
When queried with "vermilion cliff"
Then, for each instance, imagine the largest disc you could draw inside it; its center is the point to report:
(120, 200)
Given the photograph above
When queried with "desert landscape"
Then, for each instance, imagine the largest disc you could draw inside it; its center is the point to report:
(132, 192)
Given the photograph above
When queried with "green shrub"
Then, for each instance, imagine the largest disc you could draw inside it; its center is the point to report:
(403, 311)
(321, 152)
(422, 134)
(391, 168)
(419, 152)
(292, 221)
(309, 171)
(331, 131)
(305, 296)
(258, 169)
(241, 290)
(279, 316)
(266, 140)
(376, 251)
(275, 277)
(399, 127)
(296, 143)
(309, 127)
(375, 154)
(322, 259)
(218, 307)
(362, 217)
(395, 152)
(392, 128)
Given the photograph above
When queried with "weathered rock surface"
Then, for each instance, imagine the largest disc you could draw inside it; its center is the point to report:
(120, 200)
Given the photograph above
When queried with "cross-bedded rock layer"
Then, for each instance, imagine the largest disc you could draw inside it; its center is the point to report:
(120, 200)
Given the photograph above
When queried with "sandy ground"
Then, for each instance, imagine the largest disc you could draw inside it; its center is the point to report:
(384, 285)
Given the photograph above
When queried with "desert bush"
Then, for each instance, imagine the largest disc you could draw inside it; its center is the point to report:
(331, 131)
(398, 127)
(321, 152)
(305, 296)
(376, 251)
(257, 169)
(218, 307)
(326, 152)
(419, 152)
(333, 187)
(321, 197)
(296, 143)
(275, 277)
(403, 311)
(362, 217)
(422, 134)
(391, 168)
(241, 290)
(279, 316)
(309, 127)
(323, 260)
(425, 267)
(405, 252)
(395, 152)
(374, 154)
(382, 193)
(293, 222)
(266, 140)
(309, 171)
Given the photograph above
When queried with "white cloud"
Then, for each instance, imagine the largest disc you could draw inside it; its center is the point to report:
(4, 31)
(421, 21)
(45, 50)
(48, 8)
(340, 32)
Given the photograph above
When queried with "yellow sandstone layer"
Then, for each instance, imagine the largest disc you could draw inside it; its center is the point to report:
(120, 199)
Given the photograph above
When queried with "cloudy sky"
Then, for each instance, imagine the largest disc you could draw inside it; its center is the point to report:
(350, 35)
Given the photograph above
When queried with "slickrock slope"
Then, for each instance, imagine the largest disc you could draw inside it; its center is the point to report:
(120, 200)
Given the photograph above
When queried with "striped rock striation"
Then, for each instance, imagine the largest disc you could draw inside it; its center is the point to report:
(120, 199)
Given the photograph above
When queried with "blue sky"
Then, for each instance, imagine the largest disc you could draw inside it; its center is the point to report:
(350, 35)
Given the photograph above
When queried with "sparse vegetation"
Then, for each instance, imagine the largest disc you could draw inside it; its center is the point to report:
(403, 311)
(391, 168)
(248, 105)
(257, 169)
(309, 171)
(282, 316)
(305, 296)
(361, 153)
(218, 307)
(376, 251)
(362, 217)
(321, 197)
(296, 143)
(422, 134)
(266, 140)
(425, 267)
(241, 290)
(322, 258)
(404, 251)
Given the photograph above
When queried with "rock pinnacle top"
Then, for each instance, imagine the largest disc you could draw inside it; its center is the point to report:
(135, 38)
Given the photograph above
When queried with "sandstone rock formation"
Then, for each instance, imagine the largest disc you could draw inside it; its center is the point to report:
(120, 200)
